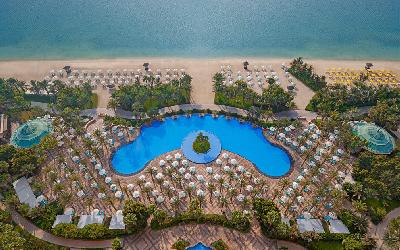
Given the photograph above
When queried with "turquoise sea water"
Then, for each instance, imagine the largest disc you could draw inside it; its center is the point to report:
(163, 137)
(207, 28)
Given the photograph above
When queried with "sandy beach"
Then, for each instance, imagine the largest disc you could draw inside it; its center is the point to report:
(201, 69)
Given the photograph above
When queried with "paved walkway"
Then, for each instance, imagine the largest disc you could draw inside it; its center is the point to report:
(291, 114)
(43, 235)
(378, 231)
(163, 239)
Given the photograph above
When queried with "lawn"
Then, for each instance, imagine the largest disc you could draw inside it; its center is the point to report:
(326, 245)
(380, 208)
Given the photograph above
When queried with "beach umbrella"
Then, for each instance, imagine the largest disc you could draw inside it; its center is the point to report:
(119, 194)
(181, 170)
(216, 193)
(178, 156)
(181, 194)
(227, 169)
(101, 195)
(295, 185)
(166, 184)
(200, 178)
(335, 158)
(209, 170)
(192, 170)
(341, 174)
(284, 199)
(98, 166)
(130, 186)
(338, 186)
(188, 176)
(142, 177)
(162, 163)
(328, 144)
(168, 157)
(240, 197)
(200, 193)
(249, 188)
(80, 193)
(148, 184)
(185, 162)
(108, 180)
(289, 191)
(340, 151)
(299, 178)
(217, 177)
(300, 199)
(234, 162)
(218, 161)
(322, 170)
(136, 194)
(160, 199)
(225, 156)
(241, 169)
(175, 164)
(102, 172)
(159, 176)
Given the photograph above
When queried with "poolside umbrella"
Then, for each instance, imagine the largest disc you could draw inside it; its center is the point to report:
(148, 184)
(166, 184)
(240, 197)
(102, 172)
(130, 186)
(181, 194)
(80, 193)
(299, 178)
(119, 195)
(181, 170)
(178, 156)
(101, 195)
(160, 199)
(295, 185)
(328, 144)
(200, 178)
(113, 187)
(284, 199)
(108, 180)
(245, 64)
(217, 177)
(209, 170)
(241, 169)
(340, 151)
(146, 66)
(192, 170)
(175, 164)
(234, 162)
(188, 176)
(338, 186)
(300, 199)
(227, 169)
(136, 194)
(185, 162)
(98, 166)
(225, 156)
(200, 193)
(162, 163)
(249, 188)
(289, 191)
(159, 176)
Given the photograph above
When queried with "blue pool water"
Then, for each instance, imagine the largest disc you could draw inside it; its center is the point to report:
(162, 137)
(206, 28)
(199, 246)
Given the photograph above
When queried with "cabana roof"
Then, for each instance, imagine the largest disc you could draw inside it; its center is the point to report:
(310, 225)
(63, 218)
(338, 227)
(24, 192)
(117, 221)
(87, 219)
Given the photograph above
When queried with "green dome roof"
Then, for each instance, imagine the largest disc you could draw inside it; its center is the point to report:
(379, 141)
(31, 132)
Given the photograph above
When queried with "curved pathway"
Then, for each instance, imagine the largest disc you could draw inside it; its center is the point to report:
(43, 235)
(377, 232)
(163, 239)
(291, 114)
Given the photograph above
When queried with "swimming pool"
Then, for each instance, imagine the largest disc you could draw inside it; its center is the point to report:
(239, 138)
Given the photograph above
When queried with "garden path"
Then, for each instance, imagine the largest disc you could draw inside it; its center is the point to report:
(377, 232)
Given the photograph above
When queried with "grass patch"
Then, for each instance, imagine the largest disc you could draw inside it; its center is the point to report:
(326, 245)
(39, 98)
(95, 100)
(378, 209)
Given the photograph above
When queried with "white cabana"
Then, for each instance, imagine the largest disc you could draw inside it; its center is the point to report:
(62, 218)
(310, 225)
(338, 227)
(117, 221)
(24, 192)
(87, 219)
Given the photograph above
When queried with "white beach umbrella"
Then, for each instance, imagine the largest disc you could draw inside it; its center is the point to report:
(216, 193)
(118, 195)
(200, 178)
(295, 185)
(234, 162)
(182, 170)
(148, 184)
(142, 177)
(200, 193)
(240, 197)
(225, 156)
(108, 180)
(181, 194)
(168, 157)
(178, 156)
(136, 194)
(175, 164)
(249, 188)
(162, 163)
(160, 199)
(80, 193)
(185, 162)
(300, 199)
(130, 186)
(218, 161)
(217, 177)
(192, 170)
(227, 169)
(209, 170)
(188, 176)
(101, 195)
(159, 176)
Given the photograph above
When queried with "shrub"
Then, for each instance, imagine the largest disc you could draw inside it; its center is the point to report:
(201, 145)
(355, 223)
(306, 74)
(180, 244)
(137, 210)
(116, 244)
(219, 245)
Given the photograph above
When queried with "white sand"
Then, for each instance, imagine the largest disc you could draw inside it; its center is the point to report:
(200, 69)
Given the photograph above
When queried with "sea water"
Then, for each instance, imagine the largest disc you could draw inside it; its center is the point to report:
(351, 29)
